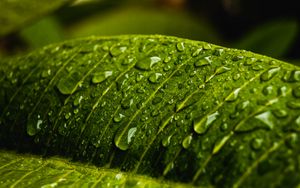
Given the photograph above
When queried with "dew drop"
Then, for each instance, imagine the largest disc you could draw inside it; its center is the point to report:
(220, 143)
(126, 103)
(166, 141)
(224, 127)
(187, 141)
(219, 51)
(203, 62)
(242, 106)
(155, 77)
(206, 46)
(147, 63)
(118, 118)
(167, 59)
(236, 76)
(67, 85)
(180, 46)
(280, 113)
(131, 133)
(115, 51)
(268, 90)
(268, 75)
(197, 52)
(296, 92)
(101, 76)
(292, 141)
(233, 96)
(34, 126)
(256, 143)
(46, 73)
(201, 127)
(266, 118)
(77, 100)
(293, 104)
(282, 91)
(222, 70)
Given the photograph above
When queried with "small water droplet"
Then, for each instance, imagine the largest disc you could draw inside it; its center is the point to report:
(118, 118)
(293, 104)
(266, 118)
(197, 52)
(131, 133)
(256, 143)
(202, 62)
(292, 141)
(101, 76)
(180, 46)
(280, 113)
(155, 77)
(67, 115)
(147, 63)
(268, 90)
(296, 92)
(166, 141)
(187, 141)
(236, 76)
(34, 125)
(237, 58)
(224, 127)
(77, 100)
(219, 51)
(126, 103)
(282, 91)
(269, 74)
(117, 50)
(201, 127)
(220, 143)
(167, 59)
(46, 73)
(242, 106)
(233, 96)
(207, 46)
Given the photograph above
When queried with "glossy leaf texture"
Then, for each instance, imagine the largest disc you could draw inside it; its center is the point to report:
(13, 14)
(169, 108)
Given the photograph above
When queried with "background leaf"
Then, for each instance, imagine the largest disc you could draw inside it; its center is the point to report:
(273, 39)
(169, 108)
(14, 14)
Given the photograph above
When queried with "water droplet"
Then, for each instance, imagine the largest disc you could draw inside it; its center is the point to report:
(115, 51)
(237, 58)
(236, 76)
(280, 113)
(156, 100)
(154, 78)
(224, 127)
(118, 118)
(131, 133)
(292, 141)
(282, 91)
(147, 63)
(166, 141)
(77, 100)
(268, 75)
(180, 46)
(167, 59)
(207, 46)
(67, 115)
(101, 76)
(168, 168)
(296, 92)
(203, 62)
(200, 127)
(187, 141)
(293, 104)
(67, 85)
(222, 70)
(233, 96)
(266, 118)
(34, 126)
(46, 73)
(256, 143)
(219, 51)
(126, 103)
(197, 52)
(268, 90)
(242, 106)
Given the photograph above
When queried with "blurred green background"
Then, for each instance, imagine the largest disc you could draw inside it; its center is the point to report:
(266, 27)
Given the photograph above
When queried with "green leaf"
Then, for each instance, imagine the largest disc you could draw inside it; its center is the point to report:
(14, 14)
(163, 107)
(25, 170)
(273, 38)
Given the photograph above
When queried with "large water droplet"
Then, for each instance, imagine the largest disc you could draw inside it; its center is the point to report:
(201, 126)
(280, 113)
(206, 61)
(282, 91)
(180, 46)
(166, 141)
(292, 141)
(147, 63)
(222, 70)
(233, 96)
(266, 118)
(268, 90)
(269, 74)
(101, 76)
(131, 133)
(187, 141)
(67, 85)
